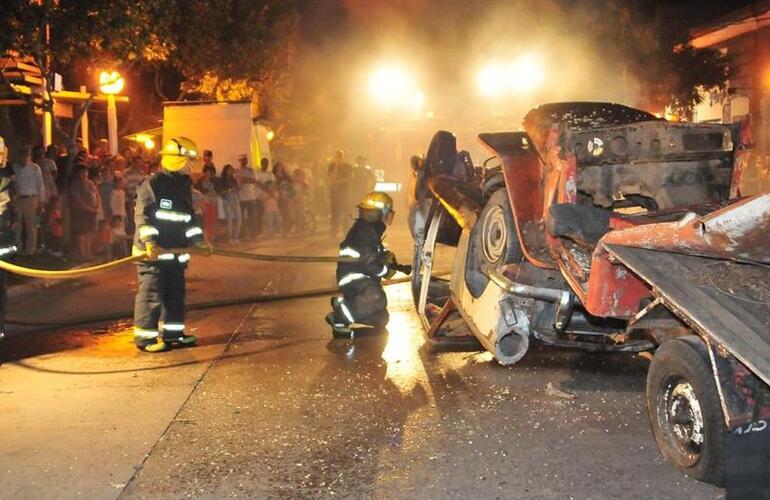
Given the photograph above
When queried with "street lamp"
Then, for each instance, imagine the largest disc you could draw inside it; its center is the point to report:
(111, 83)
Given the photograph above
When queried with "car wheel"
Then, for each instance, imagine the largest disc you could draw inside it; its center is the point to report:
(493, 241)
(685, 412)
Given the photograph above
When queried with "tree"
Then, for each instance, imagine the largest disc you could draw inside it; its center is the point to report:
(233, 49)
(57, 34)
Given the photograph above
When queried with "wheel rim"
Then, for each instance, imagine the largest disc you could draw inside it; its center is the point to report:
(681, 420)
(495, 234)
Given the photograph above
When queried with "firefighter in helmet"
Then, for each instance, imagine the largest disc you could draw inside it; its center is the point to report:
(165, 219)
(7, 238)
(363, 301)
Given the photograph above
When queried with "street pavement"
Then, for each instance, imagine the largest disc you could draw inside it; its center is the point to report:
(269, 406)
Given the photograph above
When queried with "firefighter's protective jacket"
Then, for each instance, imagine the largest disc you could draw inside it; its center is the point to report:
(165, 215)
(7, 238)
(364, 242)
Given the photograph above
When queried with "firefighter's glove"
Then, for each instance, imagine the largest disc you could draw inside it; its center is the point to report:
(390, 258)
(204, 248)
(152, 250)
(404, 268)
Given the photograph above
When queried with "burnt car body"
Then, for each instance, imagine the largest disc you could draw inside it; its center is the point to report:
(604, 228)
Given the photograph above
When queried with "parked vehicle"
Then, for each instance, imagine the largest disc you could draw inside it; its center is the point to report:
(602, 227)
(228, 128)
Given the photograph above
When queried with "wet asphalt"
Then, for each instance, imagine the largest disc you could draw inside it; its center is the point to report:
(269, 406)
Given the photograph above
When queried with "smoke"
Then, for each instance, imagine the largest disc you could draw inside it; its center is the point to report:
(585, 48)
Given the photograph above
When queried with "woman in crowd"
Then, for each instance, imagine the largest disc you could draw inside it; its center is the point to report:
(106, 187)
(285, 190)
(84, 207)
(207, 185)
(228, 190)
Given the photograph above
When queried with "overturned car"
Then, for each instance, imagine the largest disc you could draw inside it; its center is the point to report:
(602, 227)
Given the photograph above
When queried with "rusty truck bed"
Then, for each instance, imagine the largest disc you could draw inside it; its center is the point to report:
(726, 300)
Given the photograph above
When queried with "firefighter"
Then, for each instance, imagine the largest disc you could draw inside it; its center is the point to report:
(7, 238)
(363, 301)
(165, 219)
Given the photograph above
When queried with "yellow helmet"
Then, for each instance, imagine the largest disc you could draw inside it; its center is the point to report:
(377, 201)
(177, 152)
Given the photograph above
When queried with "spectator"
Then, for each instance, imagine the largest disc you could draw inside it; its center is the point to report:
(363, 179)
(106, 186)
(285, 191)
(339, 175)
(247, 194)
(84, 200)
(30, 190)
(208, 157)
(263, 176)
(46, 159)
(119, 238)
(54, 227)
(118, 200)
(228, 190)
(133, 176)
(207, 185)
(300, 193)
(272, 214)
(103, 242)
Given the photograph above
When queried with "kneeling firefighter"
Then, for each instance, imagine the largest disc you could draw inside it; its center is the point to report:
(363, 300)
(165, 218)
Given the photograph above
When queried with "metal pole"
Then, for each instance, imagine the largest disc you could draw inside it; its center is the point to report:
(84, 123)
(112, 124)
(47, 117)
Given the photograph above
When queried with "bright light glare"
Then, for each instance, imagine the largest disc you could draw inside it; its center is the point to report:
(522, 75)
(393, 86)
(149, 144)
(111, 82)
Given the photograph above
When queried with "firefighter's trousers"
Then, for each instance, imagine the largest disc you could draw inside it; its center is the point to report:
(366, 303)
(160, 298)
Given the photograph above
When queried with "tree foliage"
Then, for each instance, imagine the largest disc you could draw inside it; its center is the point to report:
(224, 49)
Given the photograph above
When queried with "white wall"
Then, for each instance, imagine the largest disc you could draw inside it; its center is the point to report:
(224, 128)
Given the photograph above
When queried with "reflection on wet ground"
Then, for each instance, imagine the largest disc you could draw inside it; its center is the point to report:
(382, 417)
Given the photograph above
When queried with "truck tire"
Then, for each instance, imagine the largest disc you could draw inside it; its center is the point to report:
(493, 241)
(684, 409)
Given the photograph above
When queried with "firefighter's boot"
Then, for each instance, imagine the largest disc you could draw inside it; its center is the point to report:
(151, 345)
(179, 339)
(337, 320)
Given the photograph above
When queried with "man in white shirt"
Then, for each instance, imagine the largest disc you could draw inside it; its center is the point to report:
(31, 191)
(263, 176)
(247, 195)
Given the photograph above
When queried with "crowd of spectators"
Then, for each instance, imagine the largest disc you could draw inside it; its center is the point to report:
(82, 207)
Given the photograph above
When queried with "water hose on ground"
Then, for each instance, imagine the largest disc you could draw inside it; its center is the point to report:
(236, 301)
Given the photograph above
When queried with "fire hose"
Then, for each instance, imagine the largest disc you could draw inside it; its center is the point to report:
(84, 271)
(250, 299)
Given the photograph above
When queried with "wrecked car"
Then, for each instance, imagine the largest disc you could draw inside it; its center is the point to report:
(605, 228)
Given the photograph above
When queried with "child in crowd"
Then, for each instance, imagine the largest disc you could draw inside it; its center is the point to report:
(272, 215)
(103, 246)
(54, 229)
(198, 202)
(118, 199)
(119, 238)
